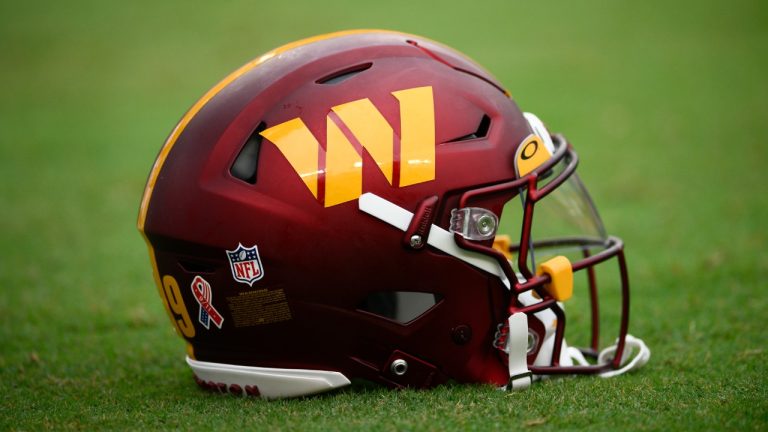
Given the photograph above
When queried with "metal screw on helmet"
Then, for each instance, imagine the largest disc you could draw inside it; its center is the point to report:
(461, 334)
(399, 367)
(416, 241)
(486, 224)
(533, 341)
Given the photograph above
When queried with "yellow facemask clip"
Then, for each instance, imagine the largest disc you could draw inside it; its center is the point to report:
(501, 243)
(560, 273)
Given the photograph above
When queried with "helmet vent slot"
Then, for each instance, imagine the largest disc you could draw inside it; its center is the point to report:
(244, 167)
(481, 132)
(344, 74)
(400, 306)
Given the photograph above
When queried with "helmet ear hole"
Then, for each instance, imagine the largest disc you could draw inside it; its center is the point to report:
(246, 162)
(400, 306)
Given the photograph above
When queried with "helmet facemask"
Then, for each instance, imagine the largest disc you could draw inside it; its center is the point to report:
(549, 219)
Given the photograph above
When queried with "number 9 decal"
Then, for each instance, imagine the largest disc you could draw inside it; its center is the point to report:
(176, 307)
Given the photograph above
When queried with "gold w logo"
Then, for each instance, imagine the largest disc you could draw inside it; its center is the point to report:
(340, 163)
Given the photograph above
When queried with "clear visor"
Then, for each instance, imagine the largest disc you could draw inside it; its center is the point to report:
(565, 222)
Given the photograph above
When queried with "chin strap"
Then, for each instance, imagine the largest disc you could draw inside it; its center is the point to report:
(636, 355)
(632, 346)
(517, 351)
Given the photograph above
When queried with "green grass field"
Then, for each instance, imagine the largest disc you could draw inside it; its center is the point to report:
(666, 102)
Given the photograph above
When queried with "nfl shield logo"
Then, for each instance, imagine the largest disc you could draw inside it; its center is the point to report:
(245, 264)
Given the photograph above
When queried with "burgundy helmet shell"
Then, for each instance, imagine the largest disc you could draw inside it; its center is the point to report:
(338, 209)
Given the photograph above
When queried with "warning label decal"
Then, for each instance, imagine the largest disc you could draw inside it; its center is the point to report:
(252, 308)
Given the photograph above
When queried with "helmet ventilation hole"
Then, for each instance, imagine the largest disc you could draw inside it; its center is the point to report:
(344, 74)
(244, 167)
(480, 132)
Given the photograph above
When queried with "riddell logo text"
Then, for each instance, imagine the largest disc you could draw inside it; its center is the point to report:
(235, 389)
(352, 127)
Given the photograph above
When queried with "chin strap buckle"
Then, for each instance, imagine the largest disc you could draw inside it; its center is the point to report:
(520, 382)
(520, 376)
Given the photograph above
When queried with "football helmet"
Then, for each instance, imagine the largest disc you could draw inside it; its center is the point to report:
(373, 205)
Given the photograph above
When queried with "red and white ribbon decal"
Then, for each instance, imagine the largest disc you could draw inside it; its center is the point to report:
(202, 291)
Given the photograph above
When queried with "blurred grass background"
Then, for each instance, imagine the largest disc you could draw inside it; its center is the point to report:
(666, 103)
